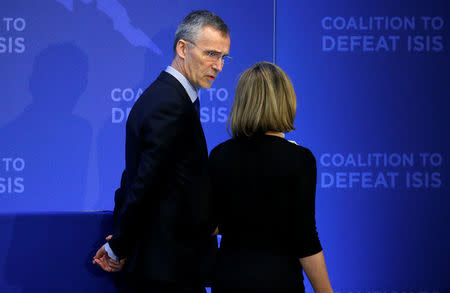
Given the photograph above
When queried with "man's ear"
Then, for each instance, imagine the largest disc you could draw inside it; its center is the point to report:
(181, 48)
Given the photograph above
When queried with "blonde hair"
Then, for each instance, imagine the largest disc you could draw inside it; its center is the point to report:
(264, 101)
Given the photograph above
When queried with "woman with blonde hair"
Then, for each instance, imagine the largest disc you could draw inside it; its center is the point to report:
(263, 190)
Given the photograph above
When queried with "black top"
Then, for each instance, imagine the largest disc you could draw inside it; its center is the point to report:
(263, 201)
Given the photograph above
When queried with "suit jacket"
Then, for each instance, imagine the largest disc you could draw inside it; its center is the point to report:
(263, 201)
(162, 206)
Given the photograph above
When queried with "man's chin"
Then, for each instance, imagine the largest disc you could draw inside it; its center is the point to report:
(206, 85)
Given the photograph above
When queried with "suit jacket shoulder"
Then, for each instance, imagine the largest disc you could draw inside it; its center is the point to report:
(165, 96)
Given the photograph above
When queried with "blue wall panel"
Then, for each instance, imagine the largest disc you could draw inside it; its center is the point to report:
(372, 83)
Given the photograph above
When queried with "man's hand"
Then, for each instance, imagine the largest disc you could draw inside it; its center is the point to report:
(102, 259)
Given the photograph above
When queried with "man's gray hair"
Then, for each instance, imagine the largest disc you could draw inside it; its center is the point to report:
(193, 23)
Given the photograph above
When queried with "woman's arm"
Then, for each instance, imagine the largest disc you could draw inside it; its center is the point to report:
(316, 271)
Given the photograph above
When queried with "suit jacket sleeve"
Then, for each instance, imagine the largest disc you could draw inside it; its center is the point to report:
(160, 128)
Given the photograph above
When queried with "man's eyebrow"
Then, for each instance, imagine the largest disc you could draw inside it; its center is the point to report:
(215, 51)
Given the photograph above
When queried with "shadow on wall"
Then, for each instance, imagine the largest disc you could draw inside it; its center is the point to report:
(111, 138)
(52, 144)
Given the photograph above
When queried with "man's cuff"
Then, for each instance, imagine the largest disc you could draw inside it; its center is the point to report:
(110, 252)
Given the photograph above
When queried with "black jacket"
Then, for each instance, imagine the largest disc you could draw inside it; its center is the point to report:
(162, 204)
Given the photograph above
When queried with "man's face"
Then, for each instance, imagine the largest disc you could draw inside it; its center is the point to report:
(201, 70)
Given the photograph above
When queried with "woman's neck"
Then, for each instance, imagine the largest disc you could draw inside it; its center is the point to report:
(274, 133)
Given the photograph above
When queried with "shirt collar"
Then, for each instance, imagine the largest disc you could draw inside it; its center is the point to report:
(190, 89)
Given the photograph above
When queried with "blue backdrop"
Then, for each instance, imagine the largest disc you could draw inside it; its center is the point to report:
(372, 83)
(72, 70)
(372, 80)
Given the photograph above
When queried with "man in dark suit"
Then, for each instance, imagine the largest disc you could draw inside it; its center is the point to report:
(161, 207)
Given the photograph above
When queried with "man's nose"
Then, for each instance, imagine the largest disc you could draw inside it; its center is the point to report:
(218, 65)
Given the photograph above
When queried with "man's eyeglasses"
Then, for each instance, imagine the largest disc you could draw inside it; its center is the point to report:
(212, 55)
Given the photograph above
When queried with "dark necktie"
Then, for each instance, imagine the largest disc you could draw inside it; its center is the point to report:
(197, 106)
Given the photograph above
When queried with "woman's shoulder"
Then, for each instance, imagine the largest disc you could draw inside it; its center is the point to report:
(301, 152)
(299, 148)
(275, 144)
